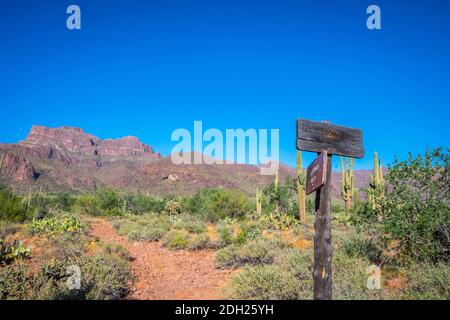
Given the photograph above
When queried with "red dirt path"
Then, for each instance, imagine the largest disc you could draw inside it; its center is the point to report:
(163, 274)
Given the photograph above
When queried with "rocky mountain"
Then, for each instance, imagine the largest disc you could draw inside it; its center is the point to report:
(67, 158)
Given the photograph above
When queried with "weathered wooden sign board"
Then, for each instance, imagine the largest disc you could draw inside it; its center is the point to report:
(319, 136)
(326, 139)
(316, 174)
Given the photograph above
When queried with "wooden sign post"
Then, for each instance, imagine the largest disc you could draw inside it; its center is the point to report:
(326, 139)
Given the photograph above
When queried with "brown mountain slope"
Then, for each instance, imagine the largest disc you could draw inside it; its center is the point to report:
(67, 158)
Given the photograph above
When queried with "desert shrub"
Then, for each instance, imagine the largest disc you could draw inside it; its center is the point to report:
(264, 283)
(7, 228)
(260, 251)
(53, 226)
(336, 207)
(104, 274)
(139, 204)
(63, 201)
(176, 239)
(350, 277)
(172, 208)
(88, 204)
(225, 234)
(412, 209)
(281, 199)
(103, 277)
(190, 223)
(428, 282)
(362, 247)
(216, 204)
(251, 230)
(198, 241)
(12, 207)
(297, 262)
(105, 202)
(147, 227)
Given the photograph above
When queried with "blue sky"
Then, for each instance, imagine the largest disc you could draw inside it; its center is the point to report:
(145, 68)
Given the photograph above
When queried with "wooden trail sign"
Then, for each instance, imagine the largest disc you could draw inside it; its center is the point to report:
(316, 174)
(327, 139)
(319, 136)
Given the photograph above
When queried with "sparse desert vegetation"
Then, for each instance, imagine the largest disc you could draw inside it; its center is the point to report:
(403, 228)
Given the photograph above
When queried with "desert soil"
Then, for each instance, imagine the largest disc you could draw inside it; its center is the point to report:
(163, 274)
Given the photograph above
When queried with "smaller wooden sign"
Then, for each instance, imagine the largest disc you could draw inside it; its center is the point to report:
(316, 174)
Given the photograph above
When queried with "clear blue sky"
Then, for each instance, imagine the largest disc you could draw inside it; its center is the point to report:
(145, 68)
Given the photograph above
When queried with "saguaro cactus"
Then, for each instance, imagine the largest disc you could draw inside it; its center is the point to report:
(348, 182)
(30, 194)
(124, 207)
(276, 181)
(377, 177)
(301, 184)
(1, 162)
(376, 184)
(277, 185)
(258, 201)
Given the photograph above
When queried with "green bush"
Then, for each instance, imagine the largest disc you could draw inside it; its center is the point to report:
(103, 277)
(412, 209)
(88, 204)
(172, 208)
(281, 199)
(365, 248)
(225, 234)
(176, 239)
(428, 282)
(216, 204)
(260, 251)
(198, 242)
(264, 283)
(190, 223)
(139, 204)
(12, 207)
(147, 227)
(64, 201)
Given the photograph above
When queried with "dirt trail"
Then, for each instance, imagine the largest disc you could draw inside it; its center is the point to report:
(162, 274)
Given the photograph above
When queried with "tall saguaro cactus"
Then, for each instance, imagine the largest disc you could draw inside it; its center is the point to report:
(377, 177)
(348, 182)
(276, 180)
(277, 186)
(1, 163)
(30, 194)
(258, 201)
(376, 184)
(301, 184)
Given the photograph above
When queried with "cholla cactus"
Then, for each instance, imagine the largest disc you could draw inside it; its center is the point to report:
(348, 182)
(301, 184)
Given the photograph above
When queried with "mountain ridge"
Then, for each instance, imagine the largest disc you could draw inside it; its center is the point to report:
(68, 158)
